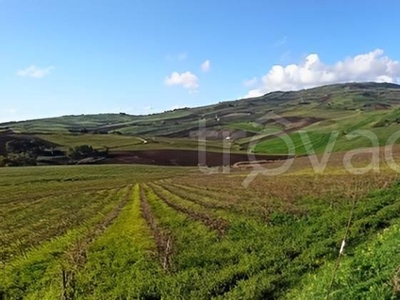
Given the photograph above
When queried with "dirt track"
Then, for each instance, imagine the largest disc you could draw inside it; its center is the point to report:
(180, 158)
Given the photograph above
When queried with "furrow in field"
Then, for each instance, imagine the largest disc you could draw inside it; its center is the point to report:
(226, 192)
(33, 195)
(77, 256)
(197, 198)
(31, 226)
(121, 262)
(250, 202)
(24, 204)
(199, 251)
(161, 237)
(242, 206)
(229, 197)
(49, 259)
(190, 209)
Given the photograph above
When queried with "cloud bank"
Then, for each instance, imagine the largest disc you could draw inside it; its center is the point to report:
(312, 72)
(35, 72)
(187, 80)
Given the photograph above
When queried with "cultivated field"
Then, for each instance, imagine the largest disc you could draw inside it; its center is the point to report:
(141, 232)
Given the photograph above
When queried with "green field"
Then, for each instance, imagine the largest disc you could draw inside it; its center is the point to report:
(149, 232)
(128, 143)
(141, 232)
(95, 140)
(346, 129)
(249, 123)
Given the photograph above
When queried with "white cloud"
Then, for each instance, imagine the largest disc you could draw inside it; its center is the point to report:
(206, 66)
(148, 107)
(35, 72)
(372, 66)
(251, 82)
(188, 80)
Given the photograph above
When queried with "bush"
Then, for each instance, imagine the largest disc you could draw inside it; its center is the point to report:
(20, 159)
(3, 161)
(80, 152)
(84, 130)
(34, 146)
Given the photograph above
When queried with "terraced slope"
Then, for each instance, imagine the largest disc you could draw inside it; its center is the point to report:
(255, 124)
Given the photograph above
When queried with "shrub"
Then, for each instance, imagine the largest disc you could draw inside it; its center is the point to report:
(3, 161)
(20, 159)
(83, 151)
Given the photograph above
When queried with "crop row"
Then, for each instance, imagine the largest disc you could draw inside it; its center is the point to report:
(180, 240)
(191, 209)
(162, 238)
(292, 245)
(203, 262)
(234, 205)
(33, 274)
(121, 263)
(28, 225)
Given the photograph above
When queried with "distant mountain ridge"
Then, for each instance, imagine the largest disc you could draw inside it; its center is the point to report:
(348, 96)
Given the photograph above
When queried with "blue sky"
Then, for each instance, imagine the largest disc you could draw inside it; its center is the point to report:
(61, 57)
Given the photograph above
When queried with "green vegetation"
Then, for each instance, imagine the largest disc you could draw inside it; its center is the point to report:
(346, 129)
(149, 232)
(97, 141)
(116, 232)
(126, 250)
(250, 127)
(23, 152)
(372, 271)
(85, 151)
(319, 111)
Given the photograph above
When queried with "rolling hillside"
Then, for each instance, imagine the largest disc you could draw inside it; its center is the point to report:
(152, 232)
(249, 124)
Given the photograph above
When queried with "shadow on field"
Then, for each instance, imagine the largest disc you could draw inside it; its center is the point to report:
(188, 158)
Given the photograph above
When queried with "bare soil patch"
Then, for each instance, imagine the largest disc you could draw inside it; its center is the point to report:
(171, 157)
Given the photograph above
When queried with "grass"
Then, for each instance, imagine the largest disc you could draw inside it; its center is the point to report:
(344, 108)
(369, 272)
(34, 274)
(95, 140)
(346, 129)
(252, 127)
(27, 227)
(120, 263)
(141, 232)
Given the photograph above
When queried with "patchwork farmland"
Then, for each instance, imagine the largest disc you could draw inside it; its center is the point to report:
(117, 206)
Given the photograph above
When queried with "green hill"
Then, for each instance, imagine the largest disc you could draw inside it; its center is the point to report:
(248, 123)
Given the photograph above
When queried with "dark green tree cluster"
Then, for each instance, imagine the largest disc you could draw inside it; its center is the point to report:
(22, 153)
(85, 151)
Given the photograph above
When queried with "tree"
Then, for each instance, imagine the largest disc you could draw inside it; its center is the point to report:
(23, 152)
(20, 159)
(33, 146)
(83, 151)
